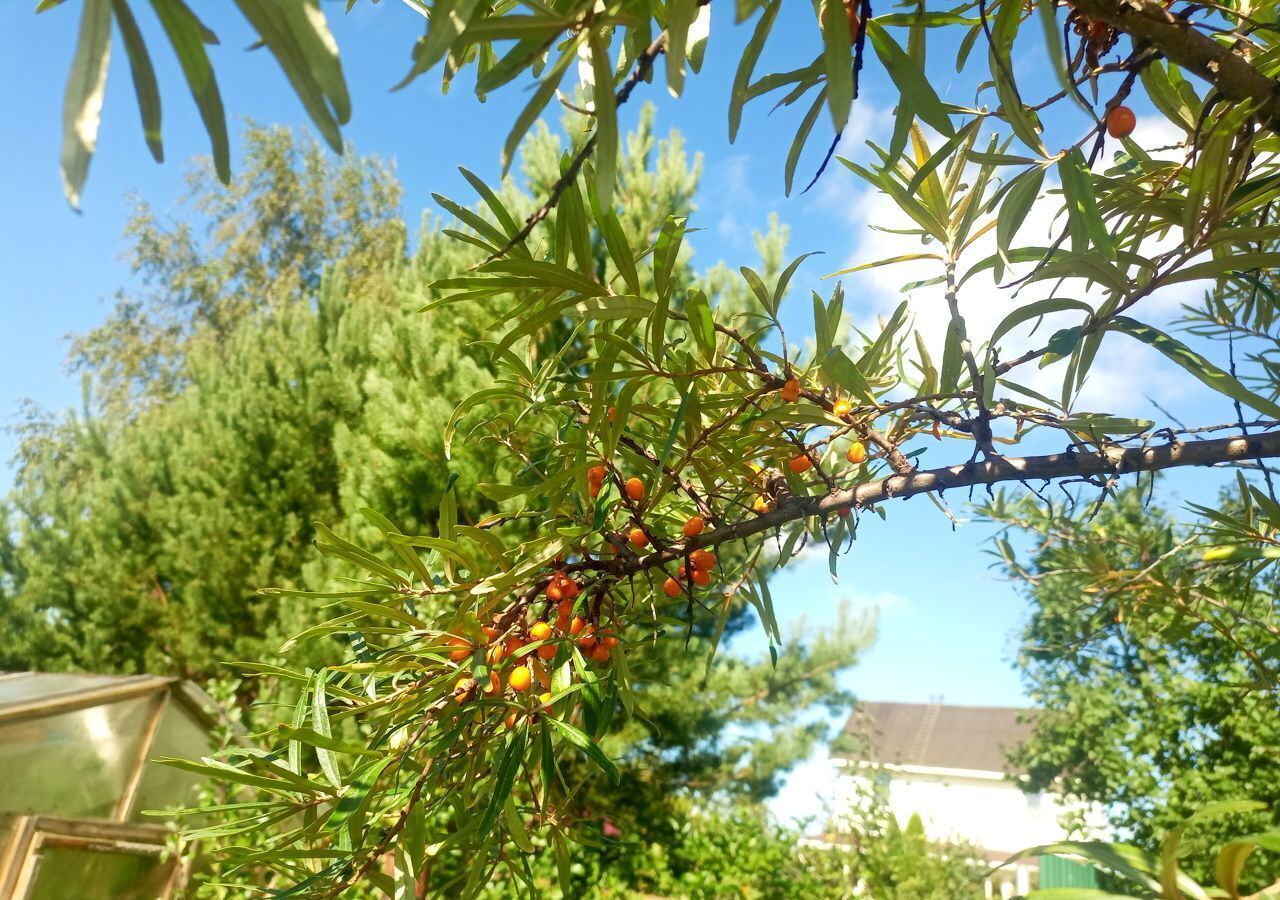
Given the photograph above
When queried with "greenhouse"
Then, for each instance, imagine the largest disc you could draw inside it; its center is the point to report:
(76, 755)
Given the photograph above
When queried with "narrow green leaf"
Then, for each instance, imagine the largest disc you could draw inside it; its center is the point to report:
(680, 17)
(780, 289)
(844, 374)
(1013, 210)
(1083, 219)
(82, 102)
(320, 717)
(515, 826)
(580, 740)
(747, 65)
(1034, 311)
(837, 59)
(144, 77)
(536, 104)
(505, 776)
(701, 324)
(910, 80)
(297, 34)
(606, 154)
(1197, 365)
(186, 34)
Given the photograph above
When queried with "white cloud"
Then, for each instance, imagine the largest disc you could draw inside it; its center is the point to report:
(1121, 365)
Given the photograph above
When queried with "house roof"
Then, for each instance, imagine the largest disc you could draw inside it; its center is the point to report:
(938, 735)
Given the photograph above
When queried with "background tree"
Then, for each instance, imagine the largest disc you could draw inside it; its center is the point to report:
(1141, 656)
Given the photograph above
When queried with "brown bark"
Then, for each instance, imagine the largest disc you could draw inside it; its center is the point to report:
(1056, 466)
(1152, 23)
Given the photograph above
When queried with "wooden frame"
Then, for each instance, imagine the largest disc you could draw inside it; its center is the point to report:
(20, 855)
(20, 865)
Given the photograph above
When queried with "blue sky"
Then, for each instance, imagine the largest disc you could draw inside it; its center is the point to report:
(947, 623)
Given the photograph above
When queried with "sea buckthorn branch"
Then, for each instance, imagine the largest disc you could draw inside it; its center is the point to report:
(639, 72)
(982, 422)
(1235, 78)
(1052, 467)
(376, 852)
(673, 475)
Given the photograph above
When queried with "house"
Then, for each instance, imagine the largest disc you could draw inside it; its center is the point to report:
(947, 764)
(76, 757)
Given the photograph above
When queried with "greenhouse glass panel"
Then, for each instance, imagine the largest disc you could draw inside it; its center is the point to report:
(75, 763)
(87, 874)
(164, 787)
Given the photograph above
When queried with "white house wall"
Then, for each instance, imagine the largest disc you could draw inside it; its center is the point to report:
(982, 808)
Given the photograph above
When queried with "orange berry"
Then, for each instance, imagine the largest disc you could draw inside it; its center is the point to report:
(842, 407)
(851, 10)
(801, 463)
(547, 651)
(511, 718)
(671, 587)
(762, 505)
(576, 626)
(609, 641)
(489, 633)
(682, 571)
(519, 679)
(544, 698)
(464, 684)
(637, 537)
(554, 591)
(693, 527)
(600, 654)
(611, 413)
(790, 390)
(844, 512)
(857, 453)
(495, 654)
(701, 577)
(570, 588)
(587, 639)
(495, 684)
(703, 559)
(1121, 121)
(635, 488)
(462, 648)
(593, 490)
(597, 474)
(540, 631)
(512, 645)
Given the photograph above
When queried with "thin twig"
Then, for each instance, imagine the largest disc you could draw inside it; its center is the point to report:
(644, 64)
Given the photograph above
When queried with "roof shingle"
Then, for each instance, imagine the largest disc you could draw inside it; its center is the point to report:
(940, 736)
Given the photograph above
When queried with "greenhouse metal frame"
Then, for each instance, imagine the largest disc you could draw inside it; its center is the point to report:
(109, 728)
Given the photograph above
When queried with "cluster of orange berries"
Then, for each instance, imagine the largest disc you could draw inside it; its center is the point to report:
(635, 490)
(540, 638)
(701, 562)
(802, 462)
(595, 481)
(841, 408)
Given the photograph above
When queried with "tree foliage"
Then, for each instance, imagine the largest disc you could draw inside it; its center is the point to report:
(1143, 658)
(286, 395)
(627, 401)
